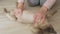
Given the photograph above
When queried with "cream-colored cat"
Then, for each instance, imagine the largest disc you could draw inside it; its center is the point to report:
(27, 18)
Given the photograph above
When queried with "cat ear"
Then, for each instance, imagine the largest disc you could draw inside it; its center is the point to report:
(5, 10)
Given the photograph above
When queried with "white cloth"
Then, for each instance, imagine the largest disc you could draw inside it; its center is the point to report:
(21, 1)
(49, 3)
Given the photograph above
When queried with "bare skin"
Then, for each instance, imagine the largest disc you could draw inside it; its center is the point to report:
(39, 16)
(19, 9)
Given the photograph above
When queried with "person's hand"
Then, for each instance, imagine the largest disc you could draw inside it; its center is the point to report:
(39, 18)
(18, 12)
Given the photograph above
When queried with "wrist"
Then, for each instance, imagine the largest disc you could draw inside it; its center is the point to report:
(20, 6)
(43, 9)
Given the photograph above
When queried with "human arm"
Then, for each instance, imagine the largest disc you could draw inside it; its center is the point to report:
(39, 17)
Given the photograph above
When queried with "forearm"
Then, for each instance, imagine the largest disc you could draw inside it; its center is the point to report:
(47, 5)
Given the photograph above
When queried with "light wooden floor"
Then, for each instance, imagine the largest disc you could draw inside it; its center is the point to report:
(8, 26)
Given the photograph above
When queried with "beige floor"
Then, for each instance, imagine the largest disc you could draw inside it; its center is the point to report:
(8, 26)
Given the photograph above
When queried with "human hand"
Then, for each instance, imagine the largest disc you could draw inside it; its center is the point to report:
(39, 18)
(18, 12)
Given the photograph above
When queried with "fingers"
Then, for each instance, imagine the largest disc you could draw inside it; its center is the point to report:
(17, 12)
(38, 19)
(42, 20)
